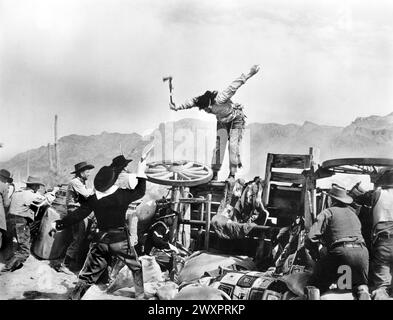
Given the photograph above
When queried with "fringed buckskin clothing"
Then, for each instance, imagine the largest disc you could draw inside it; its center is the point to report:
(230, 124)
(112, 240)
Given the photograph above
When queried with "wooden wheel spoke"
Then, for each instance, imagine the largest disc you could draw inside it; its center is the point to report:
(162, 175)
(188, 165)
(156, 170)
(196, 169)
(188, 174)
(199, 172)
(184, 176)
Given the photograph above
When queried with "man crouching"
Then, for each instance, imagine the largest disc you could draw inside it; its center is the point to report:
(339, 229)
(110, 204)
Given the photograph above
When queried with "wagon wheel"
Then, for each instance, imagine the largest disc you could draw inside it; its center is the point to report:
(178, 173)
(369, 166)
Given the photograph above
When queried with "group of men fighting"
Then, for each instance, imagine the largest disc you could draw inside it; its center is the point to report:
(114, 190)
(337, 228)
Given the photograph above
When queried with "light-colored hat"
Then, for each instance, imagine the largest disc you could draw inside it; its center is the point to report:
(34, 180)
(340, 194)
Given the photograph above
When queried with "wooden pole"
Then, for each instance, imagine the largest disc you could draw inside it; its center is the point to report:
(175, 207)
(208, 216)
(268, 173)
(56, 149)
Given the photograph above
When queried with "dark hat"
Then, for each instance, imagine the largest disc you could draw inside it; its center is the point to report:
(6, 174)
(120, 162)
(340, 194)
(104, 179)
(81, 166)
(34, 180)
(386, 179)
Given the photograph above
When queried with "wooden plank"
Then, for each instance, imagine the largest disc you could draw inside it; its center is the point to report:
(268, 172)
(287, 177)
(298, 161)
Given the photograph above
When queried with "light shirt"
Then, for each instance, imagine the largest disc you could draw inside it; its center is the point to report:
(21, 201)
(224, 108)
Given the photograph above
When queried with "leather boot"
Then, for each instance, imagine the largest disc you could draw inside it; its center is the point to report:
(79, 290)
(138, 285)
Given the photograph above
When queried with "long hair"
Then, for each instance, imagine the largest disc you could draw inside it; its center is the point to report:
(205, 100)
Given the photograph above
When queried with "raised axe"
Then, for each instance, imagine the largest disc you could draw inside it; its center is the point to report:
(169, 79)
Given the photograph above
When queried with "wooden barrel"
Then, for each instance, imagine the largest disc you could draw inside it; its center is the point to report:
(50, 247)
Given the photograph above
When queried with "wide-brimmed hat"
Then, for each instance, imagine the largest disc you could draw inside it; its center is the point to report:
(34, 180)
(340, 194)
(120, 162)
(7, 175)
(81, 166)
(104, 179)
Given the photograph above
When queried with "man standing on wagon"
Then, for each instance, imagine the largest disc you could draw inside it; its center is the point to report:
(230, 121)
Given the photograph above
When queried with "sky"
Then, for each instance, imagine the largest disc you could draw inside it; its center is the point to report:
(99, 64)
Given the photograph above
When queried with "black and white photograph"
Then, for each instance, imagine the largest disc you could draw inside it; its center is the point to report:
(196, 150)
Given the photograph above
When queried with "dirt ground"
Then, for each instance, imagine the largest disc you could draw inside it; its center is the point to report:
(36, 280)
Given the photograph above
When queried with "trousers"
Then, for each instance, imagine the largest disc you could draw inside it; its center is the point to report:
(18, 227)
(99, 257)
(326, 270)
(232, 132)
(381, 264)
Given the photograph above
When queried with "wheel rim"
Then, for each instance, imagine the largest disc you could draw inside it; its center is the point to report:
(178, 173)
(371, 166)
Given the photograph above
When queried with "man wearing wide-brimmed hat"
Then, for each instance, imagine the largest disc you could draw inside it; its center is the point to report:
(109, 204)
(119, 164)
(382, 236)
(338, 228)
(19, 219)
(5, 179)
(77, 193)
(157, 240)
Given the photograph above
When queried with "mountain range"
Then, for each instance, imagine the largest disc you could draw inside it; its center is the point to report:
(194, 139)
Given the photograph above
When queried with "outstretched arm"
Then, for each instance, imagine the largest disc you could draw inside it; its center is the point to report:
(228, 93)
(188, 104)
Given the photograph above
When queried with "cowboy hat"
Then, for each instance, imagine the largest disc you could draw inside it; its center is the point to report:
(81, 166)
(7, 175)
(340, 194)
(104, 179)
(34, 180)
(120, 162)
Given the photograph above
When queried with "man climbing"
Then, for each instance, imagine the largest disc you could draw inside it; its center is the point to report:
(230, 121)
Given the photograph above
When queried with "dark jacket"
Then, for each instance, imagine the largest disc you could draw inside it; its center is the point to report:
(157, 237)
(110, 211)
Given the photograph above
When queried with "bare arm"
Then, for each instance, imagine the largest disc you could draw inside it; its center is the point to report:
(228, 93)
